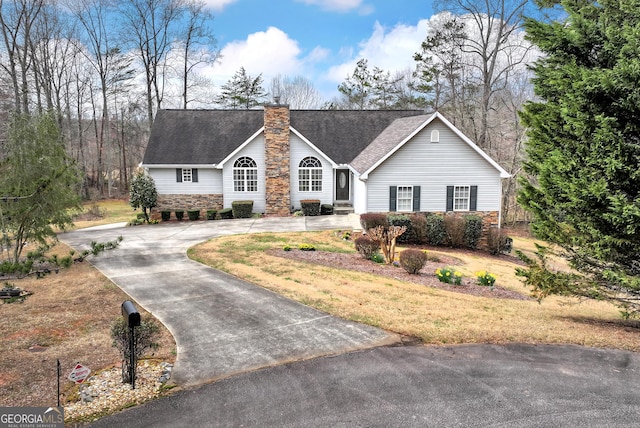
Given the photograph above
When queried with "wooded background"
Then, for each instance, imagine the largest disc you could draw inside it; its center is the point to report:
(106, 67)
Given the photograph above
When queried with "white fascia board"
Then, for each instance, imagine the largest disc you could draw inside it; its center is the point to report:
(310, 144)
(242, 146)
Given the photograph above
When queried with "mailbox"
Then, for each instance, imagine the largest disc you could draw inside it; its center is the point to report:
(130, 314)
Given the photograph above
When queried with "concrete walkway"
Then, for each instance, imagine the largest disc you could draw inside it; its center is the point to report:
(222, 325)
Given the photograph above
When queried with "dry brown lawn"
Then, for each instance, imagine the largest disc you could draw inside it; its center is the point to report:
(435, 315)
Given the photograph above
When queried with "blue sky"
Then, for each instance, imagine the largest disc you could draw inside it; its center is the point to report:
(318, 39)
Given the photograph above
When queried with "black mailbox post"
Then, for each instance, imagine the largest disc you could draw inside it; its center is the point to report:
(132, 317)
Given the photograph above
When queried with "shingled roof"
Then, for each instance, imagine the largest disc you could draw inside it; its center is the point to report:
(200, 137)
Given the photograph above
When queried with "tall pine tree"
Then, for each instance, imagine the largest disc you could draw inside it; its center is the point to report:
(583, 184)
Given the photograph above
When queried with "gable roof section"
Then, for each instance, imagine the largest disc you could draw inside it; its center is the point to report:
(199, 137)
(398, 134)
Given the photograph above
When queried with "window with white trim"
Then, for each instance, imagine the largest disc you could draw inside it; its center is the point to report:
(245, 175)
(187, 175)
(310, 175)
(435, 136)
(461, 197)
(405, 198)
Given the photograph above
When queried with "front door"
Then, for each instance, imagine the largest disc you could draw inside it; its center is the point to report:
(342, 184)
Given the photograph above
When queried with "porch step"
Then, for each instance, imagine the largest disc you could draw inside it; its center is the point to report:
(342, 209)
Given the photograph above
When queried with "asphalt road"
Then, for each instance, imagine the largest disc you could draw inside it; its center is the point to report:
(463, 386)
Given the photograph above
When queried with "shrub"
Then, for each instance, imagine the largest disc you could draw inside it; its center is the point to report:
(401, 220)
(372, 220)
(179, 214)
(377, 258)
(499, 243)
(412, 260)
(366, 247)
(165, 215)
(211, 214)
(242, 209)
(326, 209)
(436, 234)
(310, 207)
(145, 334)
(226, 213)
(193, 214)
(287, 247)
(485, 278)
(418, 230)
(455, 229)
(449, 276)
(472, 230)
(306, 247)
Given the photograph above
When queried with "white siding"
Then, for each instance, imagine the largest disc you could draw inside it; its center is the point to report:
(433, 167)
(255, 150)
(299, 151)
(209, 182)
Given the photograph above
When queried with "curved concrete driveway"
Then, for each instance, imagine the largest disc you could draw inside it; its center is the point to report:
(222, 325)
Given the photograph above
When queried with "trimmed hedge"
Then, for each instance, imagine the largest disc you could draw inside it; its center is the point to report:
(499, 243)
(310, 207)
(165, 215)
(179, 214)
(371, 220)
(242, 209)
(193, 215)
(211, 214)
(402, 220)
(472, 230)
(436, 234)
(326, 209)
(226, 213)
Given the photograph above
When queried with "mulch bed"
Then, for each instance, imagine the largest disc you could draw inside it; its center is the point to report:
(425, 277)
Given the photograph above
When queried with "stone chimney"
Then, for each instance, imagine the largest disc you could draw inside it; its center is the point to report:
(277, 159)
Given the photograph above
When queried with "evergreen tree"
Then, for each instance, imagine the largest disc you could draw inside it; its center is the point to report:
(242, 91)
(584, 147)
(38, 184)
(143, 193)
(357, 87)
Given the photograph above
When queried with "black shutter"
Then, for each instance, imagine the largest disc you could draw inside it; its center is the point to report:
(393, 198)
(449, 198)
(473, 198)
(194, 175)
(179, 175)
(416, 198)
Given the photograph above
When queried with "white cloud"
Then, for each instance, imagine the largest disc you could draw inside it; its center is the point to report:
(390, 50)
(341, 6)
(269, 52)
(218, 5)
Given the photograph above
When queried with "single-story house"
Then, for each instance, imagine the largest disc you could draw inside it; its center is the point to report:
(367, 160)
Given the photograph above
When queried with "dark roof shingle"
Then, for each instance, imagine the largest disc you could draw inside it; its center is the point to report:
(187, 137)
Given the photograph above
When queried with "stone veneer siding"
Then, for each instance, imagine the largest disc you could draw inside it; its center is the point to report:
(187, 202)
(277, 160)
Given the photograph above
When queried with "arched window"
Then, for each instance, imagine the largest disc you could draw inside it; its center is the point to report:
(310, 175)
(245, 175)
(435, 136)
